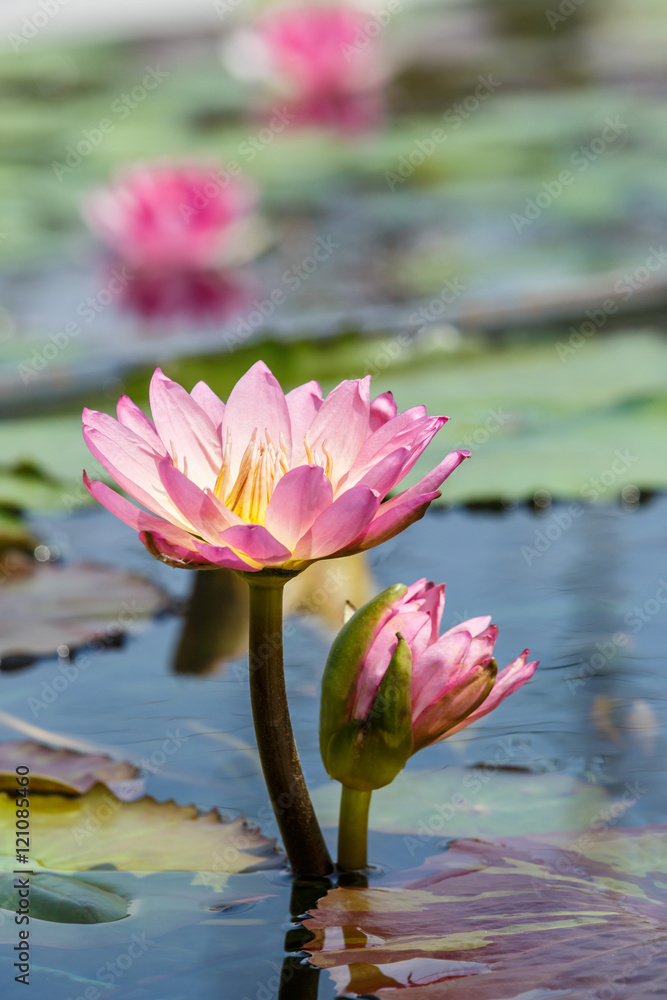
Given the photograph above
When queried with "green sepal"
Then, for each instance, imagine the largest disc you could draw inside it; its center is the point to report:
(348, 652)
(368, 754)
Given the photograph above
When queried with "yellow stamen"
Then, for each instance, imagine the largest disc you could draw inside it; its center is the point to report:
(328, 468)
(309, 450)
(261, 467)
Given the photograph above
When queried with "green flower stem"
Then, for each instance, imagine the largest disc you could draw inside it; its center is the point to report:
(301, 835)
(353, 829)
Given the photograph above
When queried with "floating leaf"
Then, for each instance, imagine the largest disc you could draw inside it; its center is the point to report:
(63, 771)
(54, 606)
(463, 802)
(98, 829)
(158, 903)
(64, 900)
(528, 917)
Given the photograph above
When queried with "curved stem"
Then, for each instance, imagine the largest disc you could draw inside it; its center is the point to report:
(353, 829)
(301, 835)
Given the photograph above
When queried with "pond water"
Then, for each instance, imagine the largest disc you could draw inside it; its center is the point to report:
(584, 731)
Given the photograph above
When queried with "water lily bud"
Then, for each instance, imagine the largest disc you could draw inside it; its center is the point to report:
(369, 754)
(393, 685)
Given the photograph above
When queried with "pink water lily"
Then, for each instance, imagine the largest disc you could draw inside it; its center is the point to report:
(451, 673)
(182, 216)
(322, 48)
(393, 685)
(269, 480)
(325, 59)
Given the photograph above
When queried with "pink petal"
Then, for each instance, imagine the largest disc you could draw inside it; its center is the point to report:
(180, 556)
(400, 430)
(409, 506)
(389, 471)
(440, 668)
(340, 525)
(481, 647)
(303, 404)
(129, 460)
(434, 605)
(188, 433)
(432, 480)
(393, 518)
(439, 719)
(378, 658)
(415, 437)
(507, 681)
(298, 500)
(383, 408)
(197, 507)
(210, 403)
(252, 542)
(255, 402)
(135, 517)
(341, 424)
(129, 415)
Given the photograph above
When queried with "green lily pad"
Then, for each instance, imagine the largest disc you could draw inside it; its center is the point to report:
(63, 900)
(75, 834)
(488, 801)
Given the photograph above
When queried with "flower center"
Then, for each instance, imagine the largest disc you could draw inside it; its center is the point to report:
(263, 465)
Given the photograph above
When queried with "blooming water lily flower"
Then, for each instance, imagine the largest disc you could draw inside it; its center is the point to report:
(268, 481)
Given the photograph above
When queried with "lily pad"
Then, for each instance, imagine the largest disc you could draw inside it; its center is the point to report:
(472, 802)
(525, 917)
(159, 903)
(55, 606)
(76, 834)
(63, 771)
(64, 900)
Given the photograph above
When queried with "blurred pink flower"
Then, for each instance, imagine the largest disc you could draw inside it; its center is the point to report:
(171, 217)
(406, 686)
(327, 59)
(322, 48)
(267, 480)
